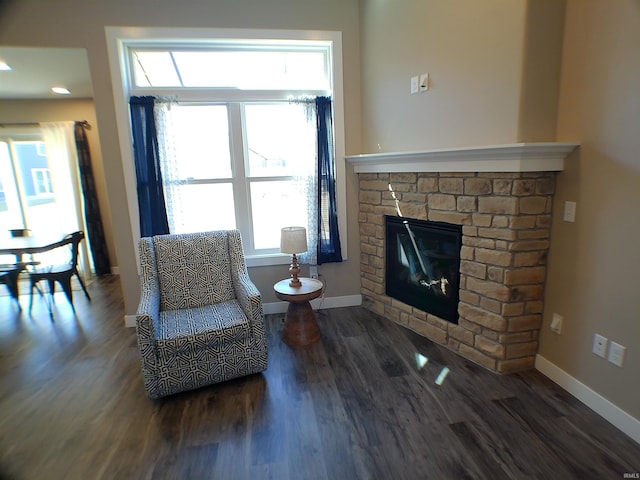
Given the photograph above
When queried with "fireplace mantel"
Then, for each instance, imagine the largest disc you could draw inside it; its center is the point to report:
(513, 157)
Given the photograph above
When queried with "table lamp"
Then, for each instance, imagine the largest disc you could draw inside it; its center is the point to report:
(293, 240)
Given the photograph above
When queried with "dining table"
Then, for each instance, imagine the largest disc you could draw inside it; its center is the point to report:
(21, 246)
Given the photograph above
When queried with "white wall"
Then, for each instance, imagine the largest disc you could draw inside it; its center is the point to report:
(593, 278)
(473, 53)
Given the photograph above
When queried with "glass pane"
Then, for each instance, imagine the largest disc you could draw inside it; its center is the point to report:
(281, 140)
(39, 198)
(154, 69)
(206, 207)
(275, 204)
(202, 141)
(254, 70)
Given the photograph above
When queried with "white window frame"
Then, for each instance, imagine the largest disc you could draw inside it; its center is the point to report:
(119, 39)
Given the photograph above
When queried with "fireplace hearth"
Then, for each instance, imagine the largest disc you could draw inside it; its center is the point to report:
(422, 267)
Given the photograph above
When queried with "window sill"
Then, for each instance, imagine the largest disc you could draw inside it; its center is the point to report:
(267, 260)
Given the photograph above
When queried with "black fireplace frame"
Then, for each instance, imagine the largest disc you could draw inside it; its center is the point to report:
(413, 288)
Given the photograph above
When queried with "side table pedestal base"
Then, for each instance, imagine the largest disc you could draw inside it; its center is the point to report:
(300, 326)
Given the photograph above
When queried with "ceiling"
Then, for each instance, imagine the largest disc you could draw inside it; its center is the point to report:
(36, 70)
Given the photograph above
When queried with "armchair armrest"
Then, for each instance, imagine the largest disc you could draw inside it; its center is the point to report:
(248, 297)
(148, 313)
(247, 293)
(147, 318)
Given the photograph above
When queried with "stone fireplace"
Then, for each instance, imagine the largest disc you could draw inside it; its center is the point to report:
(506, 220)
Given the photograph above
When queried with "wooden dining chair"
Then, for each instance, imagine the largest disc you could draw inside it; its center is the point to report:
(61, 273)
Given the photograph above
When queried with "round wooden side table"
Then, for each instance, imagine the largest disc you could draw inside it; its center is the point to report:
(300, 325)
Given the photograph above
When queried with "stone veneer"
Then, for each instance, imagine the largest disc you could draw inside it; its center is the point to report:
(506, 219)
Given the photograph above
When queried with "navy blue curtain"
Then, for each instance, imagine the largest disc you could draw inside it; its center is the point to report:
(153, 211)
(328, 235)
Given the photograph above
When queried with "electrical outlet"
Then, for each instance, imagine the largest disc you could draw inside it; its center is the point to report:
(616, 354)
(600, 345)
(313, 271)
(556, 323)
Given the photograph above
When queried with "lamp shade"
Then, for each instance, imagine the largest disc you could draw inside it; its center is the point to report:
(293, 240)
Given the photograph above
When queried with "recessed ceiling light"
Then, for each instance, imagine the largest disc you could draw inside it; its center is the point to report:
(60, 90)
(4, 67)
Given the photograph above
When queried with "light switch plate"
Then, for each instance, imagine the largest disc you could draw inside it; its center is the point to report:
(424, 82)
(616, 354)
(414, 84)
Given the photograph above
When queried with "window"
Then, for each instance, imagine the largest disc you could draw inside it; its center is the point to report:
(42, 182)
(27, 199)
(276, 150)
(204, 169)
(298, 66)
(242, 145)
(281, 150)
(254, 181)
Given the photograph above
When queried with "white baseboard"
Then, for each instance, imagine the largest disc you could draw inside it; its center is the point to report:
(281, 307)
(317, 304)
(596, 402)
(130, 321)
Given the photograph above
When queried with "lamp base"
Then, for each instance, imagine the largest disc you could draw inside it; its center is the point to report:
(295, 270)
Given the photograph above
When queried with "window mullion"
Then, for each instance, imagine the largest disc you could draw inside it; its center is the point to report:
(17, 177)
(237, 140)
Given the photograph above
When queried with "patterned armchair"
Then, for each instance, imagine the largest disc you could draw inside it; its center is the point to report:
(199, 319)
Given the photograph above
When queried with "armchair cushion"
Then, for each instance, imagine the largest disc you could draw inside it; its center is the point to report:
(194, 272)
(194, 329)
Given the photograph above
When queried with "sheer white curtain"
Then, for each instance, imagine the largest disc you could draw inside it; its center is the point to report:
(171, 182)
(62, 157)
(306, 183)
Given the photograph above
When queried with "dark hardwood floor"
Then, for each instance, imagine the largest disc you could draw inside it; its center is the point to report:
(364, 403)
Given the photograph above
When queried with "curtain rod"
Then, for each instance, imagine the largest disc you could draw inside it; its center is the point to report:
(18, 124)
(84, 124)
